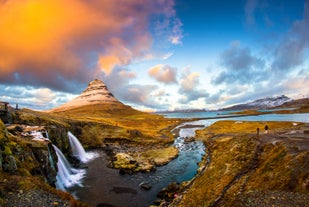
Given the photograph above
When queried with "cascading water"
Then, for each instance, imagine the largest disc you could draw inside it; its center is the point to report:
(50, 158)
(66, 176)
(77, 149)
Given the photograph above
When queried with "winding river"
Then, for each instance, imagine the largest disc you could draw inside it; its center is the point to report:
(105, 187)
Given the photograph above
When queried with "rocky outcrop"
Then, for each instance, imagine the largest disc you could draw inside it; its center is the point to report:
(21, 155)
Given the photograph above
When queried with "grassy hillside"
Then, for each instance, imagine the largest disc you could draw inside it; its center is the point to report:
(246, 169)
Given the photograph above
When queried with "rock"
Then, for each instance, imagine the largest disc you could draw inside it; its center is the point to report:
(9, 164)
(16, 130)
(169, 192)
(158, 201)
(189, 139)
(145, 186)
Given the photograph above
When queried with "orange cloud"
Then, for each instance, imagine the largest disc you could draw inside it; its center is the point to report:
(163, 73)
(47, 42)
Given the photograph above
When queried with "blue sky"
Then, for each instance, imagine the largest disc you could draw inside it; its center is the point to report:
(154, 55)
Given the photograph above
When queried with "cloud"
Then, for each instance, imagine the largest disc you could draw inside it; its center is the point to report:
(291, 51)
(240, 66)
(35, 98)
(250, 7)
(57, 44)
(163, 73)
(167, 55)
(189, 87)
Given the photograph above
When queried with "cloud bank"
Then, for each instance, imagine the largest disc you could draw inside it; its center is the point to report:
(65, 44)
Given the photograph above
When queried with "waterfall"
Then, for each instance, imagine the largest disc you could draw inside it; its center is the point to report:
(77, 149)
(66, 176)
(50, 158)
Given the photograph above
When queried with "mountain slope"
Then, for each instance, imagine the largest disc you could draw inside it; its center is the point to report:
(264, 103)
(95, 93)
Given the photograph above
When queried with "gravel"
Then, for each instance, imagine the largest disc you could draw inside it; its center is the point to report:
(33, 198)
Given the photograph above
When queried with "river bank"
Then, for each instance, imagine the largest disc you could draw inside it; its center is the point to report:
(249, 169)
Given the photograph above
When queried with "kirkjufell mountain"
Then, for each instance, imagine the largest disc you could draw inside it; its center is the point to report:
(96, 93)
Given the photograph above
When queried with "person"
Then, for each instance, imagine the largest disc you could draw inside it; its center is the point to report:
(257, 131)
(266, 129)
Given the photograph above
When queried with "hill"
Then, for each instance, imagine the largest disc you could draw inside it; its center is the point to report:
(264, 103)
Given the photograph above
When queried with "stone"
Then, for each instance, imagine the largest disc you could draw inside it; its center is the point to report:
(9, 164)
(145, 186)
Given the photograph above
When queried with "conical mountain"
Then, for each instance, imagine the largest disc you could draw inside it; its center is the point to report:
(95, 94)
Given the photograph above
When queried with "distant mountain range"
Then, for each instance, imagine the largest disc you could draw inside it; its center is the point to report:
(264, 103)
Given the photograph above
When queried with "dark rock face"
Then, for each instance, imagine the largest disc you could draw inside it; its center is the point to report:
(45, 168)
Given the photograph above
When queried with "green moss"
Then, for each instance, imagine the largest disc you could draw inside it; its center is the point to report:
(7, 150)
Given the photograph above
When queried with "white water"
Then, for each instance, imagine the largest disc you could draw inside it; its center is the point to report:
(78, 150)
(38, 136)
(67, 176)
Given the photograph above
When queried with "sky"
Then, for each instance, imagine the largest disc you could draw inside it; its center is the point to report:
(154, 55)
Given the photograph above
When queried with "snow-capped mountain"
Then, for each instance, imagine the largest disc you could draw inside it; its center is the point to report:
(95, 93)
(270, 102)
(264, 103)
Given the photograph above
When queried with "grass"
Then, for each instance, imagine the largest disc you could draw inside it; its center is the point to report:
(92, 124)
(145, 160)
(241, 162)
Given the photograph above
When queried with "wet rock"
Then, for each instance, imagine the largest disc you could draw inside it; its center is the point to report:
(169, 192)
(145, 186)
(189, 139)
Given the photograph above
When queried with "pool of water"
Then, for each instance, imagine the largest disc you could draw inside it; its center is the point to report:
(104, 186)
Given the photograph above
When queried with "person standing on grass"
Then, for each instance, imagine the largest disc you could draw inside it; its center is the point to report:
(266, 129)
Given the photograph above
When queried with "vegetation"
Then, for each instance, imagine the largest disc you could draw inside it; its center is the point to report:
(17, 151)
(144, 160)
(242, 162)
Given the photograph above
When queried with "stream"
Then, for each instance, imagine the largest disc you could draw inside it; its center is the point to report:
(104, 186)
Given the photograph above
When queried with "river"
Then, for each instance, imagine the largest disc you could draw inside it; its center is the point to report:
(104, 186)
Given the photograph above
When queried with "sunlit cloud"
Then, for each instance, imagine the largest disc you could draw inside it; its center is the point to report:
(163, 73)
(189, 87)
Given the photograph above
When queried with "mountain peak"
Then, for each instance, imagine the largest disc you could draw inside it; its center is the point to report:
(96, 93)
(95, 89)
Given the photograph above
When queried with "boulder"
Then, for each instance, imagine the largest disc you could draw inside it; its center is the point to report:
(145, 186)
